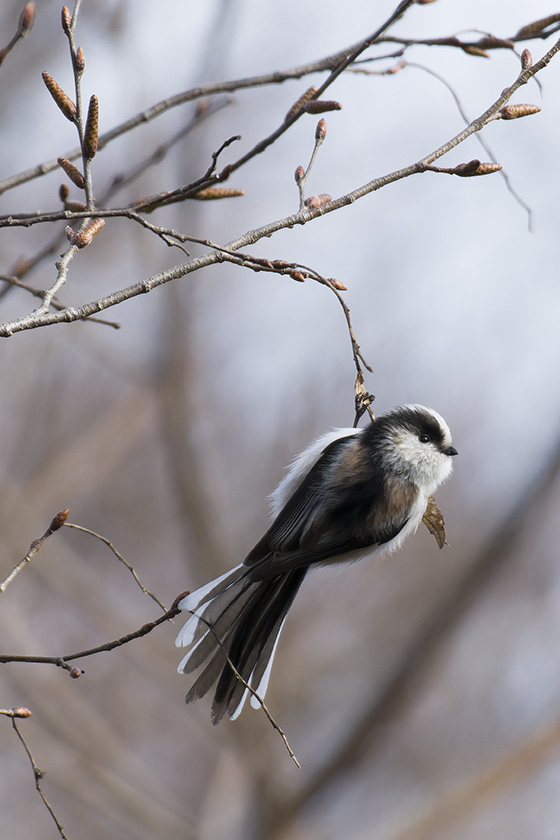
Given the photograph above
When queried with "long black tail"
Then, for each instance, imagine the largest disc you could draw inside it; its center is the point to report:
(235, 618)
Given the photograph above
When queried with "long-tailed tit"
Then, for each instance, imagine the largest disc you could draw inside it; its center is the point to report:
(351, 493)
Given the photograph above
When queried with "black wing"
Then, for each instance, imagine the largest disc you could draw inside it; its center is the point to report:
(328, 516)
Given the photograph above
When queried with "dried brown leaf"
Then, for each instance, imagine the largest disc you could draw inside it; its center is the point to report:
(434, 522)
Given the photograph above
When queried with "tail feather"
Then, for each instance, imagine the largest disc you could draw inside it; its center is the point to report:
(255, 640)
(238, 619)
(219, 621)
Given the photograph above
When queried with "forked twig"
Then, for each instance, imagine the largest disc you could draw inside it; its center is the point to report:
(38, 774)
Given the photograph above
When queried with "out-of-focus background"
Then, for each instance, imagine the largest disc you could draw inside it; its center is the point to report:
(420, 692)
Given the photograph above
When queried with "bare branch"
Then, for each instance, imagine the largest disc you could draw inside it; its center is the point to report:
(119, 557)
(39, 774)
(62, 661)
(56, 523)
(25, 24)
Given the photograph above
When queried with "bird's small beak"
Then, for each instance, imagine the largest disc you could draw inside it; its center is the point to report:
(450, 451)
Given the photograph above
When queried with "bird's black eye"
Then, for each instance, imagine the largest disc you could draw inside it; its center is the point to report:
(424, 438)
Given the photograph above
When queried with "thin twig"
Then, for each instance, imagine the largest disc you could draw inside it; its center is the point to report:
(39, 293)
(203, 91)
(248, 687)
(302, 217)
(55, 524)
(480, 139)
(26, 20)
(62, 661)
(39, 774)
(119, 556)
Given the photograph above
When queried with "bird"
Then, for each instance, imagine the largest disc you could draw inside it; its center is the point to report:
(351, 493)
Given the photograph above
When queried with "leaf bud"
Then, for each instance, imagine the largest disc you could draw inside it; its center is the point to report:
(297, 275)
(336, 284)
(27, 19)
(21, 712)
(514, 112)
(315, 201)
(66, 19)
(321, 106)
(80, 60)
(321, 131)
(526, 59)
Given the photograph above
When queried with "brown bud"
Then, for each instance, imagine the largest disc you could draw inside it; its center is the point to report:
(467, 168)
(84, 237)
(21, 712)
(321, 131)
(66, 19)
(74, 206)
(475, 167)
(75, 672)
(80, 60)
(297, 275)
(60, 97)
(317, 200)
(526, 60)
(69, 233)
(336, 284)
(63, 192)
(214, 193)
(488, 168)
(26, 19)
(321, 106)
(281, 264)
(58, 520)
(305, 97)
(72, 171)
(471, 49)
(491, 42)
(179, 598)
(513, 112)
(91, 130)
(298, 174)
